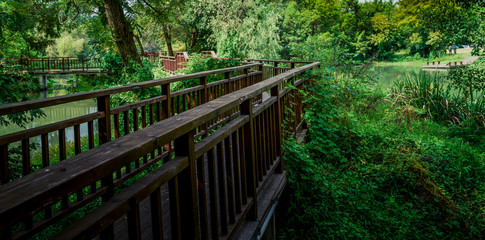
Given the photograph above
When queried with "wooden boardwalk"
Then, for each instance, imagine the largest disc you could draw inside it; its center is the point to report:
(200, 163)
(445, 67)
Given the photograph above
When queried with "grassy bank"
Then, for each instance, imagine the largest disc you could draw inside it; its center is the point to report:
(401, 59)
(372, 168)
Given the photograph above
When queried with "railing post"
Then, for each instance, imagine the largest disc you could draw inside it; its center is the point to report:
(104, 124)
(292, 65)
(227, 75)
(166, 104)
(246, 79)
(187, 189)
(104, 132)
(204, 97)
(275, 69)
(275, 92)
(247, 109)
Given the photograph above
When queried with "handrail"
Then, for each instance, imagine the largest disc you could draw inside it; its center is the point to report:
(32, 193)
(46, 102)
(47, 64)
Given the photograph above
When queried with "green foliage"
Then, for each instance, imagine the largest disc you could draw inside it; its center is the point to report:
(431, 96)
(321, 47)
(26, 26)
(15, 87)
(468, 80)
(245, 29)
(66, 46)
(198, 63)
(367, 171)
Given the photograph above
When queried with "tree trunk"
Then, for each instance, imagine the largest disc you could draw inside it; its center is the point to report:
(167, 33)
(142, 51)
(123, 37)
(193, 40)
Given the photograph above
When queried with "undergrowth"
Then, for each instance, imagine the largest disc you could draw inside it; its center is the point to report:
(371, 169)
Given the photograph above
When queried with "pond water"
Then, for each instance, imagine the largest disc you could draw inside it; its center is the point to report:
(55, 114)
(387, 75)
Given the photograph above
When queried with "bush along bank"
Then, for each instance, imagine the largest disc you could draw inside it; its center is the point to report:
(372, 168)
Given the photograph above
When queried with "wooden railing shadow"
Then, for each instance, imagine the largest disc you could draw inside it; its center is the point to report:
(207, 167)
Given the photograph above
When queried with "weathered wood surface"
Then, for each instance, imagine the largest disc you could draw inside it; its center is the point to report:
(238, 160)
(122, 120)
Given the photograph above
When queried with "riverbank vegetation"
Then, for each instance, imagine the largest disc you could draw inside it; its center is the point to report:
(405, 164)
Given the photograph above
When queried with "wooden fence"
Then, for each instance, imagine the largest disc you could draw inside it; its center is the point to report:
(206, 165)
(174, 63)
(52, 64)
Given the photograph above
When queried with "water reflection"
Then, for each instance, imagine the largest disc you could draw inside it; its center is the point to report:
(55, 114)
(389, 74)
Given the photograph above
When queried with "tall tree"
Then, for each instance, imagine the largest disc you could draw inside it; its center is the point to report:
(123, 36)
(165, 13)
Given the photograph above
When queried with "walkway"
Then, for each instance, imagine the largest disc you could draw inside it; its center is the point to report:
(445, 67)
(200, 163)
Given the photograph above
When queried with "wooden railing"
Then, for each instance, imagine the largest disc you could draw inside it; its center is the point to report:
(52, 64)
(211, 182)
(174, 63)
(117, 121)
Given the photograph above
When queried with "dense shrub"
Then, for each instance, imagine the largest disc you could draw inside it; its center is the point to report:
(373, 170)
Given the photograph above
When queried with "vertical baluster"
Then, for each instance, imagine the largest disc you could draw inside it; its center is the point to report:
(230, 87)
(25, 157)
(246, 78)
(222, 188)
(268, 138)
(248, 128)
(237, 174)
(104, 123)
(116, 118)
(26, 170)
(91, 145)
(134, 228)
(211, 162)
(143, 125)
(275, 69)
(172, 104)
(229, 180)
(135, 119)
(175, 222)
(107, 182)
(135, 128)
(204, 96)
(187, 188)
(201, 178)
(166, 107)
(156, 212)
(62, 157)
(185, 101)
(126, 122)
(45, 149)
(273, 132)
(260, 143)
(126, 126)
(77, 150)
(242, 163)
(179, 104)
(151, 121)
